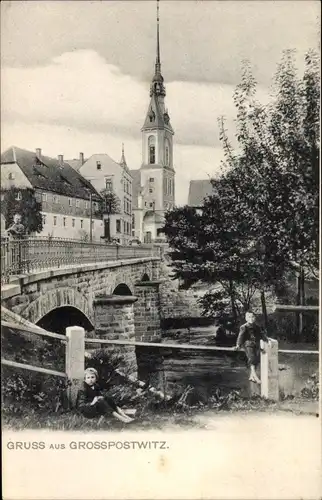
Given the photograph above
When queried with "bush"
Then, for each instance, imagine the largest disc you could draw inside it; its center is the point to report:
(23, 391)
(311, 389)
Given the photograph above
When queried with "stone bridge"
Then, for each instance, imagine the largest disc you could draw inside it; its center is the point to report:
(121, 295)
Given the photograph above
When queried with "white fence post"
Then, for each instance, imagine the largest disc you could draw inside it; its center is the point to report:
(269, 371)
(75, 360)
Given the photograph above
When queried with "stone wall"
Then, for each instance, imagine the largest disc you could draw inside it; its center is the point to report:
(177, 303)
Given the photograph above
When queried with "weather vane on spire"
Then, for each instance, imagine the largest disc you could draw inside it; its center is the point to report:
(158, 63)
(157, 86)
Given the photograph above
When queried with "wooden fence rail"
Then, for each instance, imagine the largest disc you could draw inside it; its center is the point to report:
(75, 357)
(31, 368)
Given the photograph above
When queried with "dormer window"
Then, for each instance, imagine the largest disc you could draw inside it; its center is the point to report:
(11, 176)
(98, 165)
(151, 116)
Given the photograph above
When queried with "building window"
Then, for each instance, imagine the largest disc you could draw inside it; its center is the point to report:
(18, 196)
(151, 205)
(150, 190)
(151, 145)
(152, 154)
(118, 225)
(73, 222)
(43, 219)
(55, 220)
(44, 196)
(64, 221)
(98, 165)
(77, 203)
(151, 179)
(70, 202)
(109, 185)
(81, 223)
(86, 204)
(11, 176)
(167, 156)
(55, 199)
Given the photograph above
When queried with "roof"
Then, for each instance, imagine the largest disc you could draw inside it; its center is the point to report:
(155, 118)
(107, 162)
(198, 190)
(136, 187)
(150, 214)
(49, 174)
(75, 163)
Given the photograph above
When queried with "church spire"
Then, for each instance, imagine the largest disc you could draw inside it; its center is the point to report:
(158, 61)
(157, 86)
(123, 160)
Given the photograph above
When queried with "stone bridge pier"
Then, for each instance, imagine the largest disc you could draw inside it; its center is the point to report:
(147, 319)
(114, 320)
(128, 317)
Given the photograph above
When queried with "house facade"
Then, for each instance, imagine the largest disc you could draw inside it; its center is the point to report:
(69, 202)
(106, 174)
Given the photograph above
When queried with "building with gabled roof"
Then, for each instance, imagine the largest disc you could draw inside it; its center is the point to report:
(64, 194)
(106, 174)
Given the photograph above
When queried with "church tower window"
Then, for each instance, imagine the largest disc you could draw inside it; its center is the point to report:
(151, 149)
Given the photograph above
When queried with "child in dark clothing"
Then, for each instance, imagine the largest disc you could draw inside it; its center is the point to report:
(91, 403)
(250, 335)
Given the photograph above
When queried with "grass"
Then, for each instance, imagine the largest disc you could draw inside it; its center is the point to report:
(148, 419)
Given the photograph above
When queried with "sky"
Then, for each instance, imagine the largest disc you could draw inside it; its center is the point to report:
(76, 74)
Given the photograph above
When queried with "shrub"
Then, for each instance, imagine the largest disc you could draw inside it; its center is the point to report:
(23, 391)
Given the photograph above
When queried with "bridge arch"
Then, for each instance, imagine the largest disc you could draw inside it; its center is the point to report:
(122, 289)
(55, 299)
(58, 319)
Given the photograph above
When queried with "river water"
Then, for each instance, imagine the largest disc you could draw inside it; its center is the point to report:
(209, 371)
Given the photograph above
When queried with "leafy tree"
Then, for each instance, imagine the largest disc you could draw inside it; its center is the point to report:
(278, 166)
(262, 219)
(23, 202)
(110, 204)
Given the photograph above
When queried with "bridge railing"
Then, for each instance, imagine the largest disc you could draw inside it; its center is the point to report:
(34, 254)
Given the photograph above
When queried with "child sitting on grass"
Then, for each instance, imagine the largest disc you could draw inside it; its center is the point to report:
(91, 403)
(250, 335)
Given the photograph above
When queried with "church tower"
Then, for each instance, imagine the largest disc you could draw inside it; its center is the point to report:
(157, 172)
